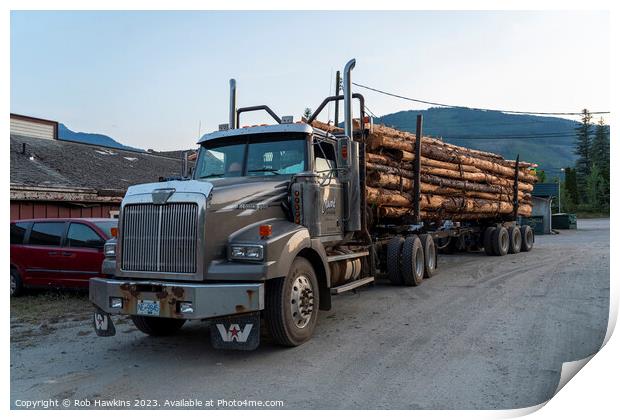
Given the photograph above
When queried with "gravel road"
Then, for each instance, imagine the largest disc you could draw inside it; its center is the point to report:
(484, 333)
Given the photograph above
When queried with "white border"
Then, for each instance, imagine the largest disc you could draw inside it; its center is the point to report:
(593, 394)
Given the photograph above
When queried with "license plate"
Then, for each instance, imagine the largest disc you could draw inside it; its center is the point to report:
(148, 307)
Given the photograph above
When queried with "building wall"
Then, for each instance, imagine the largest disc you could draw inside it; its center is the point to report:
(542, 207)
(36, 129)
(41, 209)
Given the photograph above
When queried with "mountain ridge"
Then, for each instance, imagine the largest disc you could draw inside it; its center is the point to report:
(547, 141)
(64, 133)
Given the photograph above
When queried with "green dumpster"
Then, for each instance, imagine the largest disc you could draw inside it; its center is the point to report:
(564, 221)
(536, 223)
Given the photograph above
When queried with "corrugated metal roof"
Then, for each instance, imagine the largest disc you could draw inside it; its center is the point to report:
(546, 189)
(57, 163)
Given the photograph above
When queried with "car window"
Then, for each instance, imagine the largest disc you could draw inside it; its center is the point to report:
(18, 231)
(47, 233)
(82, 236)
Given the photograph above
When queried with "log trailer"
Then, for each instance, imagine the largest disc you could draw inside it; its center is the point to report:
(272, 223)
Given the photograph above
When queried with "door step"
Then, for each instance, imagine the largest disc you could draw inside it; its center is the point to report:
(350, 286)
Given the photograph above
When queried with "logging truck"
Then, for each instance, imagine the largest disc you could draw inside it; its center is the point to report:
(273, 222)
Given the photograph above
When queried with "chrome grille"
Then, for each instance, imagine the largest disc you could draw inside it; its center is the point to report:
(160, 238)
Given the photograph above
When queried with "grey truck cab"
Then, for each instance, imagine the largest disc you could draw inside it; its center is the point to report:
(269, 223)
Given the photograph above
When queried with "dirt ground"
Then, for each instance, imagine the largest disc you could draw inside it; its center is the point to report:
(485, 332)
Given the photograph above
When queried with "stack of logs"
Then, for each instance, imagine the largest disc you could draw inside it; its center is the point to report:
(456, 183)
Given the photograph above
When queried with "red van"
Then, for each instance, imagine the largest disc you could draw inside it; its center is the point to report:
(57, 252)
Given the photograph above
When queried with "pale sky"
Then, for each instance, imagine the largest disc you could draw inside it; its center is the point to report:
(148, 78)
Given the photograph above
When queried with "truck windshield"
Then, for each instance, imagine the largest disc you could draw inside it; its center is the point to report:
(250, 158)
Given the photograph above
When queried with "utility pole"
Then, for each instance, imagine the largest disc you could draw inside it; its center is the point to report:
(337, 102)
(560, 192)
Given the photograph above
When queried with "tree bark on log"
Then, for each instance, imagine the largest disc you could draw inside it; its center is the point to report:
(398, 212)
(447, 173)
(386, 197)
(396, 182)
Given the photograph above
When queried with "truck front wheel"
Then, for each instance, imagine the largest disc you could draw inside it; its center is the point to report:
(157, 326)
(292, 303)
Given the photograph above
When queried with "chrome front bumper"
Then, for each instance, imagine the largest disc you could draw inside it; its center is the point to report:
(208, 300)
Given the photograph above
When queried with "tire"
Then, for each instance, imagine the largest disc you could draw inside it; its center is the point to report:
(394, 249)
(514, 243)
(487, 240)
(501, 241)
(292, 304)
(412, 261)
(527, 238)
(17, 287)
(430, 255)
(157, 327)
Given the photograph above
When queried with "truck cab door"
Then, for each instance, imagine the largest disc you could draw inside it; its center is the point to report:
(331, 206)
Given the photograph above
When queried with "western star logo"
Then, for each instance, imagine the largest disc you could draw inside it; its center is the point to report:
(234, 333)
(328, 204)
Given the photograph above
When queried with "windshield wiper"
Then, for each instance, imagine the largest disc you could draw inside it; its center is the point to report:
(265, 170)
(211, 175)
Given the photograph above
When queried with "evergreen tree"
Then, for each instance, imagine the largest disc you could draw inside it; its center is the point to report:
(595, 185)
(307, 113)
(570, 185)
(600, 149)
(582, 149)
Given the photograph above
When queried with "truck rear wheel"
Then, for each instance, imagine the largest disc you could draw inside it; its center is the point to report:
(412, 261)
(292, 304)
(430, 255)
(487, 240)
(157, 327)
(527, 238)
(394, 249)
(514, 236)
(501, 241)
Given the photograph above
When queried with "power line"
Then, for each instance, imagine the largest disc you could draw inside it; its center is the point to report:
(370, 112)
(467, 107)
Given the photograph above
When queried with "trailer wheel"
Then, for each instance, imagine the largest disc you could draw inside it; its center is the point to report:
(527, 238)
(487, 240)
(394, 249)
(501, 241)
(292, 304)
(412, 261)
(430, 255)
(514, 235)
(157, 327)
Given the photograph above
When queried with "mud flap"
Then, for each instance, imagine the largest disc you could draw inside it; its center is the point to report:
(238, 332)
(102, 322)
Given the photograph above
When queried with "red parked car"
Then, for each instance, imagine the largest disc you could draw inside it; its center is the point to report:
(57, 252)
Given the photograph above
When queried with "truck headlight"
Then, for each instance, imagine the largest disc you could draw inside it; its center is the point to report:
(246, 252)
(109, 249)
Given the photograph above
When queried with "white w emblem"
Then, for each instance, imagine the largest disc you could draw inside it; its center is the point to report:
(234, 333)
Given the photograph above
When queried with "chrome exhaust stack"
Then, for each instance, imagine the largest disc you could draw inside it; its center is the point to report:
(353, 221)
(348, 99)
(232, 119)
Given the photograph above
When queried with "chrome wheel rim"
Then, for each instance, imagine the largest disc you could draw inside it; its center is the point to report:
(431, 256)
(13, 284)
(419, 263)
(504, 241)
(302, 301)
